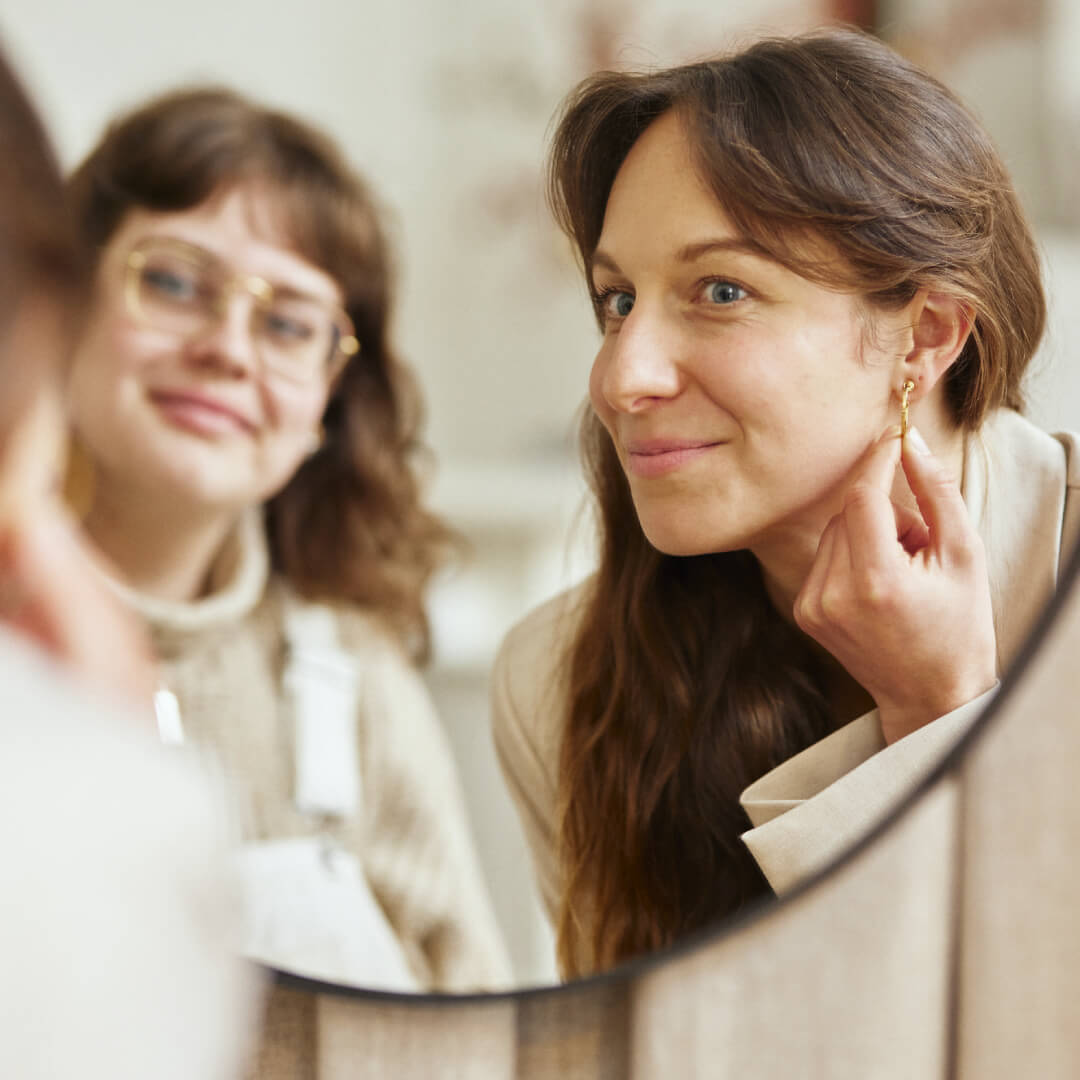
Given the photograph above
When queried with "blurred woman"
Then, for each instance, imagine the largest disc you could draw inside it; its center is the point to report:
(789, 251)
(115, 922)
(251, 440)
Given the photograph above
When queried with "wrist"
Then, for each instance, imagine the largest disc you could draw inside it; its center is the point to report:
(898, 720)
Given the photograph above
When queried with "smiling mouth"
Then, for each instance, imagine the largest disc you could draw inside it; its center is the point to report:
(199, 414)
(657, 459)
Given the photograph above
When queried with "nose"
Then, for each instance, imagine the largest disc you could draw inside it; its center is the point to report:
(227, 343)
(637, 365)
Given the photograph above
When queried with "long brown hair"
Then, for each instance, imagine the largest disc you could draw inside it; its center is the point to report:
(685, 684)
(40, 255)
(349, 525)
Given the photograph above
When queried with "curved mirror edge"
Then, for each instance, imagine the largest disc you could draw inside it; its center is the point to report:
(768, 907)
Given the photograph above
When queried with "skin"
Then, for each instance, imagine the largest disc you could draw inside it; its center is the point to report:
(51, 586)
(187, 435)
(753, 409)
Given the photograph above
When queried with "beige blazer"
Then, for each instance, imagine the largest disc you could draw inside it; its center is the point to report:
(1020, 486)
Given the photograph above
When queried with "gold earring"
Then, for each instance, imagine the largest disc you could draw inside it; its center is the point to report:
(79, 483)
(908, 387)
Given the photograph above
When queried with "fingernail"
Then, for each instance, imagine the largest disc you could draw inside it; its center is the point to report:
(918, 443)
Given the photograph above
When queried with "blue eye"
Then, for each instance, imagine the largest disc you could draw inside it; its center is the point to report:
(614, 303)
(724, 292)
(288, 327)
(170, 284)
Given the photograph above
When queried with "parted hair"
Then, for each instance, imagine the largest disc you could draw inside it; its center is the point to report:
(685, 684)
(349, 525)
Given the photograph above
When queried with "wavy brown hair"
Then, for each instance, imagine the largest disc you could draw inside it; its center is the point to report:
(349, 525)
(685, 684)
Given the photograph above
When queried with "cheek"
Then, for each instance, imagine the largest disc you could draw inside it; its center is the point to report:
(298, 409)
(596, 395)
(106, 354)
(295, 417)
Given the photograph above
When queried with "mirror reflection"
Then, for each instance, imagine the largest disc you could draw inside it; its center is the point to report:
(783, 610)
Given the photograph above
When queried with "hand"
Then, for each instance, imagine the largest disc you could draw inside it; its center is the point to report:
(51, 592)
(901, 599)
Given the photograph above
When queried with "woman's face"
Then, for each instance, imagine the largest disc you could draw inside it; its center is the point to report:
(738, 394)
(201, 418)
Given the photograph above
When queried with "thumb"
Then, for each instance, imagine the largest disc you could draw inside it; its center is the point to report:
(937, 494)
(878, 466)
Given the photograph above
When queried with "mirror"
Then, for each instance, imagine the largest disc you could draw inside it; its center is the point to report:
(445, 108)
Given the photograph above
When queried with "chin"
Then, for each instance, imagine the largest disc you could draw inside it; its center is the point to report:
(670, 539)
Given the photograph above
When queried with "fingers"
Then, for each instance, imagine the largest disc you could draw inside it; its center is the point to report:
(911, 530)
(871, 518)
(69, 611)
(878, 466)
(940, 502)
(808, 602)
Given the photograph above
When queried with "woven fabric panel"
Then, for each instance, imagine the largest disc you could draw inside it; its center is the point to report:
(1019, 987)
(848, 981)
(373, 1039)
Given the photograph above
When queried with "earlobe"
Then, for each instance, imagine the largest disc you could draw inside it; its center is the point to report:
(316, 441)
(940, 326)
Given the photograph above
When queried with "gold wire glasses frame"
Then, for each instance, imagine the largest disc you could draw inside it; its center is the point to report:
(184, 289)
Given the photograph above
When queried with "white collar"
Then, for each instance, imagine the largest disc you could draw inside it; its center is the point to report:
(237, 582)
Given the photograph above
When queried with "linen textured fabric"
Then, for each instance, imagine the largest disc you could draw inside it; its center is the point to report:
(116, 915)
(1022, 491)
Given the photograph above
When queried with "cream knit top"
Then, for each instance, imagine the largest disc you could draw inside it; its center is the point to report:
(223, 657)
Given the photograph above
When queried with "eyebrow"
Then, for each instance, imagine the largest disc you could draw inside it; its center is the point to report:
(277, 286)
(692, 252)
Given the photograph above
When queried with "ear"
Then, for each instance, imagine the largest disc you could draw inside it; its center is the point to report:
(940, 325)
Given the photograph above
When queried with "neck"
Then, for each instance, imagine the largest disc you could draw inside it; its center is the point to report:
(162, 549)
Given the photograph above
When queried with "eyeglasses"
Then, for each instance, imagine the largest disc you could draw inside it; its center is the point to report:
(184, 289)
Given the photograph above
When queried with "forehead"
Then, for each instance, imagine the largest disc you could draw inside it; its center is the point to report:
(660, 211)
(245, 227)
(658, 200)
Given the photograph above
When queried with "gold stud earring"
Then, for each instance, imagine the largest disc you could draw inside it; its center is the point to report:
(907, 388)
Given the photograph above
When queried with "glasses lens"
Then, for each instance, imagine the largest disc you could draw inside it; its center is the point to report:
(297, 336)
(182, 290)
(174, 290)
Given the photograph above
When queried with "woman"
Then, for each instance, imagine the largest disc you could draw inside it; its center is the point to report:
(250, 436)
(789, 250)
(115, 924)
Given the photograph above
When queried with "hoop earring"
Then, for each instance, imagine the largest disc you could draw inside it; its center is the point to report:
(907, 388)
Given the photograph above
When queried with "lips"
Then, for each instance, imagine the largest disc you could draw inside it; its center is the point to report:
(657, 457)
(201, 413)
